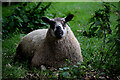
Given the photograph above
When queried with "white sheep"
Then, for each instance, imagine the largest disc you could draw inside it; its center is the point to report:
(51, 46)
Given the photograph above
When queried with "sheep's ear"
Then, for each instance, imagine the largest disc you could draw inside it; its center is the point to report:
(69, 18)
(45, 19)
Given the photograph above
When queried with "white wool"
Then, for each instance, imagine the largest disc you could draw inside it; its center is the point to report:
(44, 49)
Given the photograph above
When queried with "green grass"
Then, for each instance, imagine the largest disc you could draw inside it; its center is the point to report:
(9, 48)
(82, 13)
(8, 10)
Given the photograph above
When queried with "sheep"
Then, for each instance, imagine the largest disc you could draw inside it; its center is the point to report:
(50, 47)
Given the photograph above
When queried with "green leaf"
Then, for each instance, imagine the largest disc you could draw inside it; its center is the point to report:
(20, 24)
(25, 19)
(78, 63)
(66, 68)
(97, 23)
(75, 66)
(110, 41)
(61, 69)
(102, 73)
(12, 24)
(94, 29)
(18, 18)
(83, 67)
(66, 74)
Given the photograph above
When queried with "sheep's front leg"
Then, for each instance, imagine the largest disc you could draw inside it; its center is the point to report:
(37, 61)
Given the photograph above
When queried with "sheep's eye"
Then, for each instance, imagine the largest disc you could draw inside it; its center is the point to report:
(64, 25)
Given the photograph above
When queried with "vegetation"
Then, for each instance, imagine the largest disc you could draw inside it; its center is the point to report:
(24, 16)
(96, 28)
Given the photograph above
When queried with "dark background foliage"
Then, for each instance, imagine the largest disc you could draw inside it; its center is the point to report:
(100, 27)
(25, 18)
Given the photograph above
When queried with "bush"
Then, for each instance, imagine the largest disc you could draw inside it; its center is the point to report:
(108, 61)
(25, 18)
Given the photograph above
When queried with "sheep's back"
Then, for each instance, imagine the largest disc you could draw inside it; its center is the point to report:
(31, 41)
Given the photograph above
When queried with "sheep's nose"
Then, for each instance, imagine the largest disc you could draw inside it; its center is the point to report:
(58, 32)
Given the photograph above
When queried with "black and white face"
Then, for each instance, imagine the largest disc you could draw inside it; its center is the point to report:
(58, 25)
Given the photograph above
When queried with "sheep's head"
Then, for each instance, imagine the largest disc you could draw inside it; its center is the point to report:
(58, 25)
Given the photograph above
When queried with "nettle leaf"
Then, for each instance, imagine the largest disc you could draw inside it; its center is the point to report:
(102, 73)
(66, 68)
(61, 69)
(83, 67)
(20, 25)
(78, 63)
(117, 26)
(100, 22)
(18, 18)
(75, 66)
(17, 8)
(94, 29)
(100, 33)
(36, 22)
(25, 18)
(92, 25)
(118, 40)
(76, 71)
(66, 74)
(97, 23)
(110, 41)
(91, 20)
(118, 20)
(12, 24)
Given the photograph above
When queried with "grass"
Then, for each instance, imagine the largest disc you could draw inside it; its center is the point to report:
(9, 48)
(91, 47)
(7, 10)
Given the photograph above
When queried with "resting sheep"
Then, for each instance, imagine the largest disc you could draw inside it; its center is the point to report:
(50, 46)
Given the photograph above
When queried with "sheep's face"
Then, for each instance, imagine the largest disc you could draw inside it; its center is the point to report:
(58, 25)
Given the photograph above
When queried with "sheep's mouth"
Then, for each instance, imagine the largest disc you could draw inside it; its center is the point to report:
(58, 37)
(59, 34)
